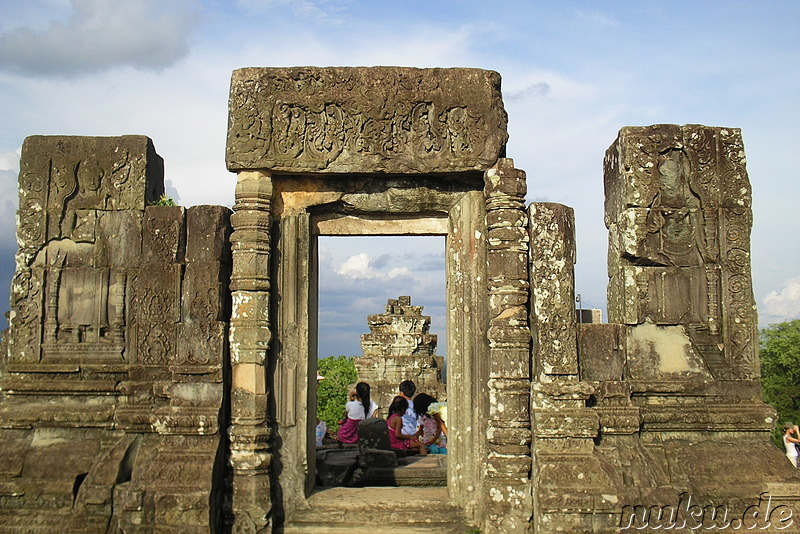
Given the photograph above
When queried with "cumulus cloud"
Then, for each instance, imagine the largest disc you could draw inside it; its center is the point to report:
(783, 305)
(360, 266)
(357, 267)
(101, 35)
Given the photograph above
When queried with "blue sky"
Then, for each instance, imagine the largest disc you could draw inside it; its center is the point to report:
(573, 74)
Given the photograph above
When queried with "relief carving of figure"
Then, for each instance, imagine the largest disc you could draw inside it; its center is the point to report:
(289, 129)
(426, 134)
(676, 217)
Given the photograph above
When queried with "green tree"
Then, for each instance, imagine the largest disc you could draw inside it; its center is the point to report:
(780, 372)
(164, 201)
(339, 373)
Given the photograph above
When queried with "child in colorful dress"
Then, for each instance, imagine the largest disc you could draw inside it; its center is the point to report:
(398, 440)
(432, 430)
(356, 410)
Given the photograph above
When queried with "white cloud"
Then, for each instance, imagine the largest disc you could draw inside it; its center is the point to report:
(356, 267)
(9, 161)
(783, 305)
(100, 35)
(399, 271)
(361, 266)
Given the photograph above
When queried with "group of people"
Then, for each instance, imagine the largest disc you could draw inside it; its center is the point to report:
(415, 423)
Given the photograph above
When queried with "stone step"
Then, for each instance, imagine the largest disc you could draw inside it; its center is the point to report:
(374, 510)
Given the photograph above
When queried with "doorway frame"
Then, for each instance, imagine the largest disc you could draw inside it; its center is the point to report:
(273, 326)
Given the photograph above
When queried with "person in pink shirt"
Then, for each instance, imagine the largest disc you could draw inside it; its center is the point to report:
(397, 439)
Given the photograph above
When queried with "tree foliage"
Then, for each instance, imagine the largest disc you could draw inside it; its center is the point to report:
(164, 201)
(780, 371)
(339, 373)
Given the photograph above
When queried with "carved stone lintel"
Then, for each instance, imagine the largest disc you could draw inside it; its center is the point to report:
(309, 119)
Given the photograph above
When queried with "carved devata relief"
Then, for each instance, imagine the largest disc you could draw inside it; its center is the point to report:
(83, 306)
(694, 187)
(68, 304)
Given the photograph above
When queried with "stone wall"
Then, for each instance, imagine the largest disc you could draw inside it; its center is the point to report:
(659, 410)
(113, 384)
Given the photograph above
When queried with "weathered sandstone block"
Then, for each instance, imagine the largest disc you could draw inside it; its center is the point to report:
(678, 211)
(365, 119)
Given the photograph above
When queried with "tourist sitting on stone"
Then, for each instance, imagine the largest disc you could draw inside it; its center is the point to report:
(431, 427)
(440, 409)
(790, 441)
(407, 390)
(397, 439)
(356, 410)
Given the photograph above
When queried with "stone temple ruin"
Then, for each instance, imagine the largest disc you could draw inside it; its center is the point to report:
(399, 347)
(160, 361)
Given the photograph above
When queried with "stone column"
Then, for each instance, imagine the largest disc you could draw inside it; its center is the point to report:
(508, 432)
(249, 342)
(563, 427)
(467, 353)
(552, 229)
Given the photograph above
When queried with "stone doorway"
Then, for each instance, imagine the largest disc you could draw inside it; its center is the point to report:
(294, 316)
(421, 156)
(359, 280)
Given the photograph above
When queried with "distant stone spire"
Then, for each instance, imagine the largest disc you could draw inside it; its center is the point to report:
(400, 347)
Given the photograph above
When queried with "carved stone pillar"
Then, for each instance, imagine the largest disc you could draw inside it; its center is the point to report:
(563, 427)
(553, 287)
(249, 342)
(468, 351)
(508, 432)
